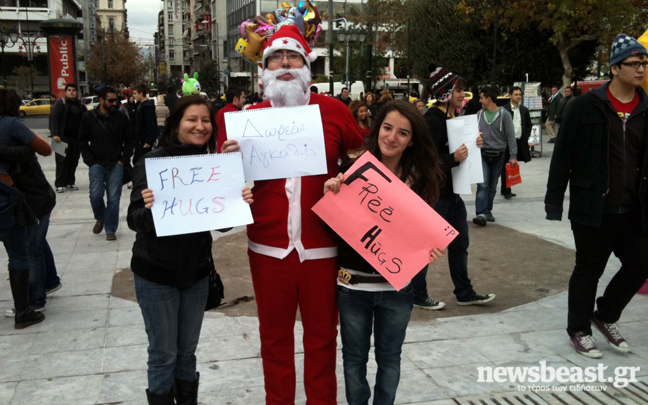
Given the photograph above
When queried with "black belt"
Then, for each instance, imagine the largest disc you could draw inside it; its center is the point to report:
(347, 278)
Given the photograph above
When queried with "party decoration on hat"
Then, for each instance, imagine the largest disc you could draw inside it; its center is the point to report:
(190, 86)
(257, 33)
(254, 50)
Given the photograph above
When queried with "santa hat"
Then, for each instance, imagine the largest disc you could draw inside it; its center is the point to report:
(442, 83)
(289, 37)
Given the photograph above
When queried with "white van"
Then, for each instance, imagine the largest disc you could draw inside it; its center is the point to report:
(355, 88)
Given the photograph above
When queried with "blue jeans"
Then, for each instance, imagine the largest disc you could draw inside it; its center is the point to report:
(51, 275)
(172, 318)
(15, 243)
(388, 312)
(36, 235)
(486, 191)
(109, 181)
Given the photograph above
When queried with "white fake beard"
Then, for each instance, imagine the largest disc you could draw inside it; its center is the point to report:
(287, 93)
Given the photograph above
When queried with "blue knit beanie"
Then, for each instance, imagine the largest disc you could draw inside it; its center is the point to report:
(623, 47)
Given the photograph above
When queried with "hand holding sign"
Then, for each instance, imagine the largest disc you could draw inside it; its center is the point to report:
(278, 142)
(383, 220)
(196, 193)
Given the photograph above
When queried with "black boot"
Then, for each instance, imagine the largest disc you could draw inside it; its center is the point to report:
(25, 316)
(186, 392)
(164, 399)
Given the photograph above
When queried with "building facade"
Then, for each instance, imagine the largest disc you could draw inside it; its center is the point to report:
(112, 14)
(24, 64)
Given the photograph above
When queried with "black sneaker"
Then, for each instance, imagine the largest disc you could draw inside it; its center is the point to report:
(478, 299)
(50, 290)
(480, 220)
(490, 217)
(429, 304)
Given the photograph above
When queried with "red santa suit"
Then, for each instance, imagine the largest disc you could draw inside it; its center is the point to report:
(220, 123)
(293, 262)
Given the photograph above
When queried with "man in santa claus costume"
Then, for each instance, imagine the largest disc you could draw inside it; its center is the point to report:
(292, 253)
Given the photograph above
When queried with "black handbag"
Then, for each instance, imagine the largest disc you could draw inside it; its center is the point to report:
(216, 288)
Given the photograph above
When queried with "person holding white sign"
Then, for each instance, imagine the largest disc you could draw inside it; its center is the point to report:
(448, 89)
(171, 273)
(292, 252)
(399, 139)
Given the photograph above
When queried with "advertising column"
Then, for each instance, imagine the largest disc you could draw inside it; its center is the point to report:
(61, 61)
(61, 47)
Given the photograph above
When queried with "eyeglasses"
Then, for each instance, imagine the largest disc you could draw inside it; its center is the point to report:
(112, 100)
(278, 56)
(635, 65)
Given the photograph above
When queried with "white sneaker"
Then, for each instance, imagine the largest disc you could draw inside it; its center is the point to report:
(10, 313)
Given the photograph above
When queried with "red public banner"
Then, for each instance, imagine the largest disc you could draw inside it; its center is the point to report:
(61, 56)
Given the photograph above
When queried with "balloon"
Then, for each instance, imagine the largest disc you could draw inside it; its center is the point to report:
(644, 41)
(255, 43)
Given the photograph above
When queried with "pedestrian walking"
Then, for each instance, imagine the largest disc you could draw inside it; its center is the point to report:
(606, 167)
(106, 143)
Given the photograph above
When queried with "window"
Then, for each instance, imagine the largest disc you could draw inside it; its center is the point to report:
(111, 4)
(111, 24)
(170, 15)
(171, 54)
(170, 30)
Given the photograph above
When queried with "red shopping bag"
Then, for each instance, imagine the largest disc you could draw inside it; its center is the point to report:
(512, 175)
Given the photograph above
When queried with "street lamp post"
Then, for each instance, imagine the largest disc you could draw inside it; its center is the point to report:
(4, 40)
(349, 35)
(30, 46)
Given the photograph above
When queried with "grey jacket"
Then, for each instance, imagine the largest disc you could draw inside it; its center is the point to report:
(498, 134)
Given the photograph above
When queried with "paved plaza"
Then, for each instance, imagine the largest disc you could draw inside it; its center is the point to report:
(91, 348)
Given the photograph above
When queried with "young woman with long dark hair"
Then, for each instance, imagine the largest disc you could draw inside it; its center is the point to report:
(399, 139)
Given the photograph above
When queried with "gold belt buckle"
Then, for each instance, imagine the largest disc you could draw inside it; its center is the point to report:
(344, 276)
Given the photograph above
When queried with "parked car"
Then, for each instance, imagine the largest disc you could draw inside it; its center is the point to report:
(40, 106)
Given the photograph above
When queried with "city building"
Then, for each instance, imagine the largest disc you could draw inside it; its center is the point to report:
(23, 63)
(112, 14)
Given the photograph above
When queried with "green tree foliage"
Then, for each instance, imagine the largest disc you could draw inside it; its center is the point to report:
(124, 63)
(440, 36)
(568, 23)
(443, 36)
(209, 77)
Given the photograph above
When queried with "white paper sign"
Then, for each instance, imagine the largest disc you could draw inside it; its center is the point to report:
(60, 147)
(197, 193)
(278, 143)
(465, 130)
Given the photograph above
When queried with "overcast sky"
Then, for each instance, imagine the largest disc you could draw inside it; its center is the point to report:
(142, 19)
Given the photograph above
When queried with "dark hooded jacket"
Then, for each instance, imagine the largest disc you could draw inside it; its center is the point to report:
(604, 160)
